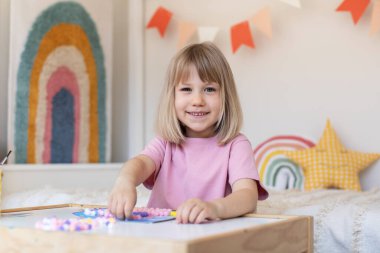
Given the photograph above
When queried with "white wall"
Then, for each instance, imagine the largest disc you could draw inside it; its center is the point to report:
(317, 65)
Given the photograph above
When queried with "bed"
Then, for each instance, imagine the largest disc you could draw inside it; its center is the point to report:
(344, 221)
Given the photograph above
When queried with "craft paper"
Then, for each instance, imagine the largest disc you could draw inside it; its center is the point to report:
(207, 33)
(263, 22)
(375, 21)
(294, 3)
(150, 219)
(160, 20)
(356, 7)
(186, 30)
(241, 35)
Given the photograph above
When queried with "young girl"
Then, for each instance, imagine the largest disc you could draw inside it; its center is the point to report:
(199, 164)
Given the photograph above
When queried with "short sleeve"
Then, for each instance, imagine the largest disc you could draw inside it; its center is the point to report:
(156, 151)
(242, 165)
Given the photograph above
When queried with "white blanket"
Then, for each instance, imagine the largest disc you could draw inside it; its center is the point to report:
(344, 221)
(52, 196)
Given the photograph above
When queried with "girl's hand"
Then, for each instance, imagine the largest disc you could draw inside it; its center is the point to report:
(196, 211)
(122, 199)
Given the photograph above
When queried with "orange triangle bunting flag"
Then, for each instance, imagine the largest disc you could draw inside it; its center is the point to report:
(241, 35)
(186, 30)
(263, 21)
(356, 7)
(160, 20)
(375, 21)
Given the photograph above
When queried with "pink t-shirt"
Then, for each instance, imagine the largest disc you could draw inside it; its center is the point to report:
(198, 168)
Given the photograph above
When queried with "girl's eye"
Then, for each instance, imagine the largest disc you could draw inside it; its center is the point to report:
(185, 89)
(210, 89)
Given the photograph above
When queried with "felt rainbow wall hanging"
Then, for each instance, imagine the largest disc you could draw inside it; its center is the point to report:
(60, 98)
(276, 170)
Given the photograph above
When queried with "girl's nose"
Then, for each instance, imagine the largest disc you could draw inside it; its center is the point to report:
(198, 99)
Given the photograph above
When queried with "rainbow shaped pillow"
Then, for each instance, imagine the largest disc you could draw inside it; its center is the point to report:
(275, 169)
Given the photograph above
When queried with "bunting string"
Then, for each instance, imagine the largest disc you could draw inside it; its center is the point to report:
(240, 33)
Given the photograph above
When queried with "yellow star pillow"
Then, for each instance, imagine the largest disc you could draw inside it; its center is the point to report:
(329, 164)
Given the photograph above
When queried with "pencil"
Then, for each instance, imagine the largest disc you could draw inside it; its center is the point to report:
(5, 158)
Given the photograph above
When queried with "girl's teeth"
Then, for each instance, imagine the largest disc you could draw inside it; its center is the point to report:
(198, 113)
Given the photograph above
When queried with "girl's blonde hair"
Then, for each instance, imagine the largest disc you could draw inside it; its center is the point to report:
(212, 66)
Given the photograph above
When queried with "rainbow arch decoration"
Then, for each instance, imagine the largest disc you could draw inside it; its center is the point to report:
(60, 98)
(275, 169)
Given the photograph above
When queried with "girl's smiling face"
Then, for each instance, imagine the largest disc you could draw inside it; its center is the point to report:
(197, 105)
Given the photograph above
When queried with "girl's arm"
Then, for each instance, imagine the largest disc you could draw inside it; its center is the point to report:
(123, 196)
(242, 200)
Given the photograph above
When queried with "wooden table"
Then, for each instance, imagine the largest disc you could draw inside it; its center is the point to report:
(250, 233)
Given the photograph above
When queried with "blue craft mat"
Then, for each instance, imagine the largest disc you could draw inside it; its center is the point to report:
(142, 220)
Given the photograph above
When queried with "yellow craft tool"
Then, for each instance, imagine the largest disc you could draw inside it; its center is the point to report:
(5, 158)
